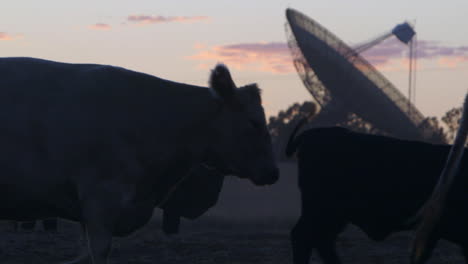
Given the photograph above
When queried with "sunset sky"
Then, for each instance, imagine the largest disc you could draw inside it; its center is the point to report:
(182, 40)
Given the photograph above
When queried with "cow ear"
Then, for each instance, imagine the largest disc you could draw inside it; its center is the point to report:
(222, 83)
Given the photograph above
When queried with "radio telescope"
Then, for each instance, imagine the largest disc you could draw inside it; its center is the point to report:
(343, 82)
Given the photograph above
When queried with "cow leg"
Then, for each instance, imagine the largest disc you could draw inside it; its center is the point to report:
(50, 224)
(28, 225)
(83, 257)
(431, 243)
(16, 226)
(99, 215)
(320, 234)
(301, 242)
(99, 236)
(464, 250)
(171, 222)
(327, 250)
(99, 241)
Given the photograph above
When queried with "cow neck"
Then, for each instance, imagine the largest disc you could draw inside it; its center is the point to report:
(220, 105)
(219, 108)
(160, 199)
(205, 164)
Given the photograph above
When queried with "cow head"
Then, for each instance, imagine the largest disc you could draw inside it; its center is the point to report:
(240, 137)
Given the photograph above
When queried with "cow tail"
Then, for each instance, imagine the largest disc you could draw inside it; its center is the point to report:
(293, 142)
(432, 210)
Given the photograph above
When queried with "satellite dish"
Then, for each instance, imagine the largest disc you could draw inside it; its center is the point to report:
(343, 82)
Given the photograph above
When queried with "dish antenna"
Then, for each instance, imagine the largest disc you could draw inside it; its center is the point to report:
(343, 82)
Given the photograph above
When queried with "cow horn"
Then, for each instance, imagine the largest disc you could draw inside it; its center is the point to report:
(432, 210)
(293, 141)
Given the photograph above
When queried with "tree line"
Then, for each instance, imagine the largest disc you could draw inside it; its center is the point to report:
(435, 130)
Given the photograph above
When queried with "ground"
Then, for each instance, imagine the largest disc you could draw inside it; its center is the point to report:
(211, 241)
(249, 225)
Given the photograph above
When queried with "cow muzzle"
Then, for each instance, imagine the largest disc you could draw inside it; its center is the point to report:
(270, 177)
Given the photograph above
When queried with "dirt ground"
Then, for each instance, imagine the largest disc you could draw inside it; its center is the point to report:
(248, 225)
(206, 242)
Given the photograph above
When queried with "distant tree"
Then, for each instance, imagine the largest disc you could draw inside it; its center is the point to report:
(278, 124)
(356, 123)
(281, 126)
(452, 119)
(432, 131)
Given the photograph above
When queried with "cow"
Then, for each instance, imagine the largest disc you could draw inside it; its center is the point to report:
(374, 182)
(432, 211)
(104, 145)
(186, 201)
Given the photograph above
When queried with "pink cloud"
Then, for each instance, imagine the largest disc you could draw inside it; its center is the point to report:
(383, 53)
(452, 62)
(5, 36)
(273, 57)
(199, 46)
(393, 52)
(100, 26)
(147, 19)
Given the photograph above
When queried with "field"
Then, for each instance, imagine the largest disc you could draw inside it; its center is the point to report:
(249, 225)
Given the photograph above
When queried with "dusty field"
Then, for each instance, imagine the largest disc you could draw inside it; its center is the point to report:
(208, 241)
(248, 225)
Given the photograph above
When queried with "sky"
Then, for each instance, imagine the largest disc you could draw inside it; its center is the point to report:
(183, 40)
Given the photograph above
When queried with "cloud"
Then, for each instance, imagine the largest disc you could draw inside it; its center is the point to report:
(273, 57)
(5, 36)
(384, 52)
(147, 19)
(448, 56)
(100, 26)
(393, 51)
(453, 62)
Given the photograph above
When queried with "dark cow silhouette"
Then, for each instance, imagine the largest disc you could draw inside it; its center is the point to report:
(432, 211)
(186, 201)
(374, 182)
(104, 146)
(198, 192)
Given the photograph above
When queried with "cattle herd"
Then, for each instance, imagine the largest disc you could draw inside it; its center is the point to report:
(95, 144)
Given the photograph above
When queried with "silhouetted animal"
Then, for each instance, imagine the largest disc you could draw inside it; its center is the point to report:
(186, 201)
(374, 182)
(104, 146)
(427, 231)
